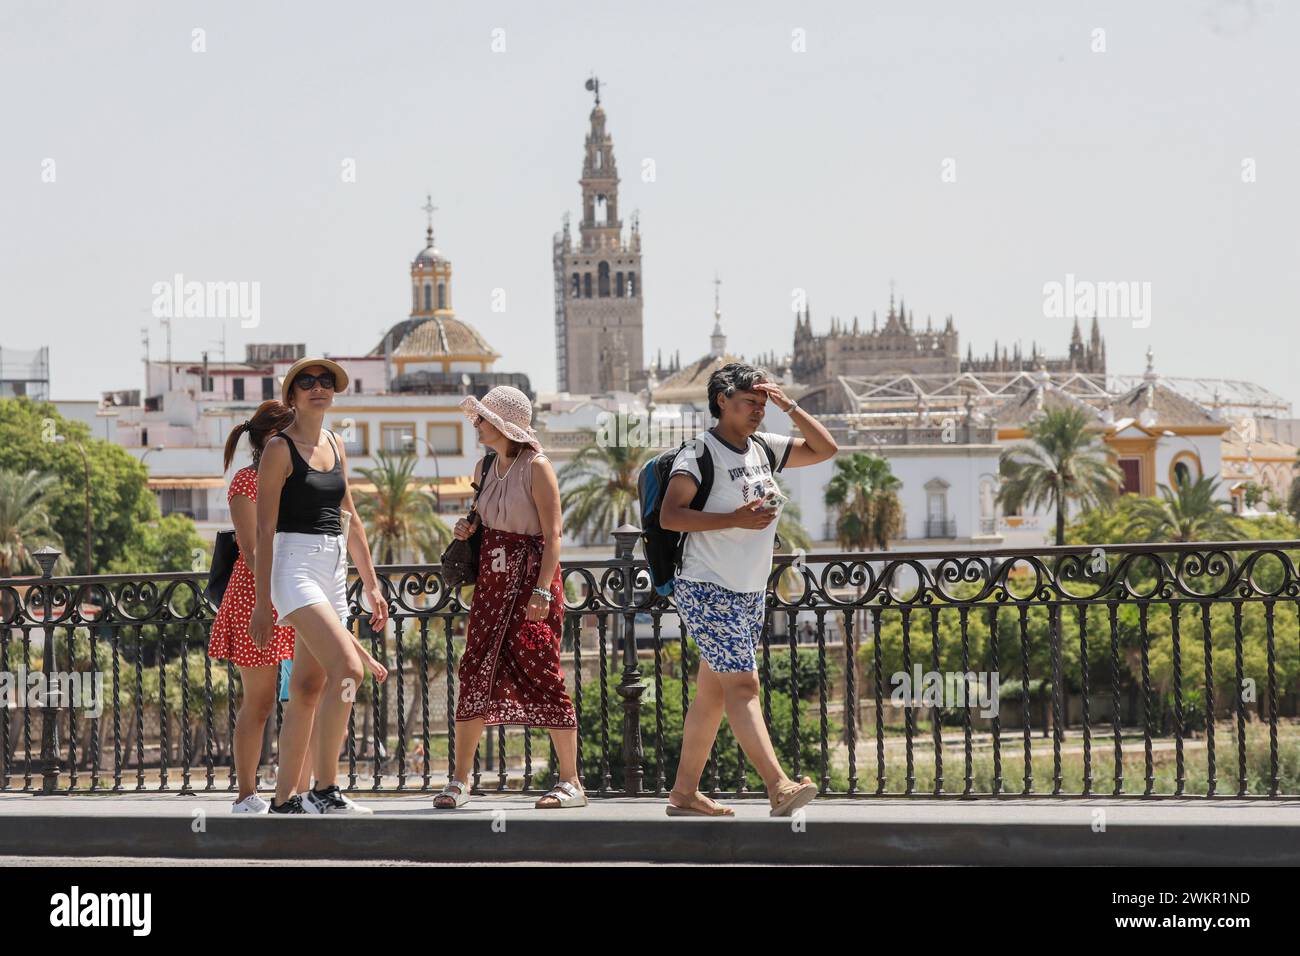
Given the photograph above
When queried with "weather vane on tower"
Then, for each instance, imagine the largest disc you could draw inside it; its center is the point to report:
(593, 84)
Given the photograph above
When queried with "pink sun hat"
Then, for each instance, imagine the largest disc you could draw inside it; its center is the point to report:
(509, 411)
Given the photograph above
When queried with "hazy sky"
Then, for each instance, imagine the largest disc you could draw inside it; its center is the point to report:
(821, 168)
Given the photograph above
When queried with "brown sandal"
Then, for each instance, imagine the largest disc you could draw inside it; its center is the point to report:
(713, 808)
(791, 796)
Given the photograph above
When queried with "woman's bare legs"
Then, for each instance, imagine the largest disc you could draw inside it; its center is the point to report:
(310, 681)
(566, 752)
(565, 741)
(736, 693)
(322, 635)
(703, 719)
(740, 698)
(468, 733)
(304, 779)
(260, 685)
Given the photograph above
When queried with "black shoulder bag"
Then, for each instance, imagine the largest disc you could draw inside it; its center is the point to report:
(225, 551)
(460, 560)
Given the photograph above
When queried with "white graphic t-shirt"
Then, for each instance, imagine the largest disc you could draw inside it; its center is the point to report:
(739, 559)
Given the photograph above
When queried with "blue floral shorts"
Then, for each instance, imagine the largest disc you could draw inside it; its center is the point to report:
(724, 624)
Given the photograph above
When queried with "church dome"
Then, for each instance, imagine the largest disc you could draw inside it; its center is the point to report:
(429, 255)
(437, 337)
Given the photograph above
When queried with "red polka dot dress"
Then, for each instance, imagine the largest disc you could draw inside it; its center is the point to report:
(230, 640)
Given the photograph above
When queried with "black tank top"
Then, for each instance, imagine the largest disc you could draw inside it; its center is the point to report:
(310, 499)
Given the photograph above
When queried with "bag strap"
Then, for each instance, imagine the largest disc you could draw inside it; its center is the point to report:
(488, 460)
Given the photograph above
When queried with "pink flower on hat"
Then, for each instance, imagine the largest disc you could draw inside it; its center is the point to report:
(509, 411)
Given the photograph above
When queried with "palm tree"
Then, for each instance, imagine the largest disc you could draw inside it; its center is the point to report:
(1188, 512)
(864, 493)
(600, 487)
(1062, 463)
(25, 523)
(399, 515)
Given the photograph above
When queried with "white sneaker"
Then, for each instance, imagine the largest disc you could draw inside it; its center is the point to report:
(250, 804)
(331, 800)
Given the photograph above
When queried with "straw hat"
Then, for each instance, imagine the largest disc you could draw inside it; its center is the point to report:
(286, 383)
(509, 411)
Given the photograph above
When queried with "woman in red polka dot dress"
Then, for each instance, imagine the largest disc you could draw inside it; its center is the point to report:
(259, 670)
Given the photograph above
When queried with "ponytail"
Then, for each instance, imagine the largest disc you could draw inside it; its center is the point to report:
(271, 416)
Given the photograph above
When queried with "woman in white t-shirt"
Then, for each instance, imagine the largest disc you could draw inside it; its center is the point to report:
(726, 560)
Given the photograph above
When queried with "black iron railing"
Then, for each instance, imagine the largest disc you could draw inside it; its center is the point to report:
(1134, 670)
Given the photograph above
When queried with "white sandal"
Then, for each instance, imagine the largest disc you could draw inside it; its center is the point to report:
(566, 795)
(456, 791)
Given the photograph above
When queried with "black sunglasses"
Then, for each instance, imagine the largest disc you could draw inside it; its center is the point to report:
(306, 380)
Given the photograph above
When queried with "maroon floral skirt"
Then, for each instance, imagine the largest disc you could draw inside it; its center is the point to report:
(510, 672)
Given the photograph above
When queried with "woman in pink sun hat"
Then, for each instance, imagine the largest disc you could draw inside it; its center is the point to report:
(510, 672)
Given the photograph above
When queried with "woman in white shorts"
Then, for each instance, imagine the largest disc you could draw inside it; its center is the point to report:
(301, 490)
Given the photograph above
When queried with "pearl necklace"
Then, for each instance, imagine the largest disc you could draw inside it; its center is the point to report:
(496, 466)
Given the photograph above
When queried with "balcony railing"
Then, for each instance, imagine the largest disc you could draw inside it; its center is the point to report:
(941, 527)
(1135, 670)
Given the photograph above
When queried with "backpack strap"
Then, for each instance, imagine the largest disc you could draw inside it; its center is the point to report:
(777, 543)
(706, 480)
(701, 498)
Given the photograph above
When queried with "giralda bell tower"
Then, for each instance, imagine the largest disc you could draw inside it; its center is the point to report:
(598, 286)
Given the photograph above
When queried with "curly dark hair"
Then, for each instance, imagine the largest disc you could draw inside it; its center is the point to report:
(732, 378)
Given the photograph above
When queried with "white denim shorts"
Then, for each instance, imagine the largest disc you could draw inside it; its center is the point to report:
(309, 569)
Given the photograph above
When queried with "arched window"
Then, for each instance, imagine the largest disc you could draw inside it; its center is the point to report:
(428, 297)
(577, 285)
(600, 158)
(631, 285)
(586, 285)
(1182, 474)
(442, 295)
(415, 298)
(602, 280)
(620, 287)
(601, 210)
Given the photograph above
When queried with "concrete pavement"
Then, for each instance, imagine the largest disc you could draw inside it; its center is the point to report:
(506, 828)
